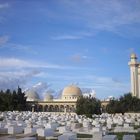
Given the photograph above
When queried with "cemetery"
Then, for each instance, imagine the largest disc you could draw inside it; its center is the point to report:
(68, 70)
(72, 117)
(68, 126)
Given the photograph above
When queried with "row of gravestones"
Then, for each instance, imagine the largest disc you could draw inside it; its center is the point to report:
(66, 126)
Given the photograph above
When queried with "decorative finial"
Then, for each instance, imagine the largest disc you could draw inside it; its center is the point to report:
(133, 56)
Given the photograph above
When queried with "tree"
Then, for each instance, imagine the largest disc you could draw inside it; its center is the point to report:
(12, 100)
(126, 103)
(2, 106)
(88, 106)
(21, 100)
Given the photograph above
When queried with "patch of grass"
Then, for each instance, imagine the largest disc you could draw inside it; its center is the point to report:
(104, 124)
(120, 135)
(114, 125)
(81, 125)
(2, 135)
(1, 119)
(41, 138)
(137, 136)
(84, 136)
(136, 126)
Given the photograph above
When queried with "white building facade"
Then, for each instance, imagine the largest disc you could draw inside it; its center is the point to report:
(134, 75)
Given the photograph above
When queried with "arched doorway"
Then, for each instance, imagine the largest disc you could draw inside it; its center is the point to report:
(40, 108)
(51, 108)
(46, 108)
(61, 108)
(56, 108)
(72, 108)
(67, 108)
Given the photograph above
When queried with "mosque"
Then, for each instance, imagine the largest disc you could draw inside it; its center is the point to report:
(134, 75)
(66, 103)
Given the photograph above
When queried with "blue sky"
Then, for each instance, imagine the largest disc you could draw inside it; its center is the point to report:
(50, 44)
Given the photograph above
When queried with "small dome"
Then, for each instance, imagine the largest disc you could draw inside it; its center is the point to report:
(133, 56)
(32, 95)
(48, 97)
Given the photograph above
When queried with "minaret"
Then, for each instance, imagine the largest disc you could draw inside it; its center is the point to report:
(139, 80)
(134, 75)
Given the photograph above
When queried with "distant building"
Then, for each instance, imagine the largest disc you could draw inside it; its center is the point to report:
(109, 98)
(90, 94)
(134, 75)
(66, 103)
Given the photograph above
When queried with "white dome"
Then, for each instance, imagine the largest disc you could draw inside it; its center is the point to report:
(48, 97)
(32, 95)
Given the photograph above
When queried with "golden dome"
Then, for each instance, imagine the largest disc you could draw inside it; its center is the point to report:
(72, 91)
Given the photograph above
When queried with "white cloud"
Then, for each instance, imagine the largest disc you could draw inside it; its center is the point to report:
(19, 63)
(101, 84)
(76, 36)
(66, 37)
(105, 50)
(78, 57)
(3, 40)
(4, 5)
(41, 88)
(108, 85)
(13, 79)
(13, 62)
(130, 50)
(14, 72)
(110, 15)
(5, 43)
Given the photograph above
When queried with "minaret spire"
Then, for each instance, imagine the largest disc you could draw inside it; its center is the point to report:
(134, 75)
